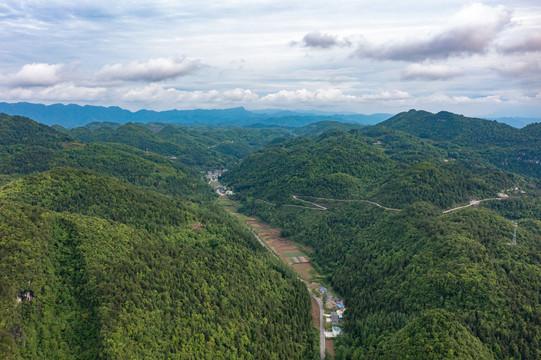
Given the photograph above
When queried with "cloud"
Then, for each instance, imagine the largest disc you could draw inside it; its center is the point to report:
(59, 92)
(523, 67)
(307, 96)
(469, 32)
(156, 92)
(386, 96)
(316, 39)
(157, 69)
(530, 43)
(37, 74)
(442, 98)
(431, 72)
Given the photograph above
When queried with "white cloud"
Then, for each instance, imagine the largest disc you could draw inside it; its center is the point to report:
(37, 74)
(468, 32)
(286, 97)
(431, 72)
(520, 67)
(59, 92)
(156, 69)
(155, 93)
(214, 98)
(386, 96)
(530, 42)
(444, 99)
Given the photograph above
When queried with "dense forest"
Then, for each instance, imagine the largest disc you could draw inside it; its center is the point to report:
(113, 245)
(418, 281)
(107, 251)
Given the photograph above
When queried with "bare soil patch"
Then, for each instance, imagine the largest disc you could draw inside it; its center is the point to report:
(303, 269)
(315, 312)
(329, 346)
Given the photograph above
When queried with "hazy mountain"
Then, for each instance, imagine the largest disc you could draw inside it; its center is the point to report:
(75, 115)
(517, 122)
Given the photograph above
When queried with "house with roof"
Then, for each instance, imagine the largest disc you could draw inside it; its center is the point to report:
(334, 318)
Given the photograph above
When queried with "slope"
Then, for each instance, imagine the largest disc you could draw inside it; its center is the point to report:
(475, 141)
(417, 282)
(91, 267)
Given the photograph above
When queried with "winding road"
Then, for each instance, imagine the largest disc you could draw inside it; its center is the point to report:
(321, 207)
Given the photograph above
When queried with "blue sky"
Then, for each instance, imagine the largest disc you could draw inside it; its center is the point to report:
(477, 59)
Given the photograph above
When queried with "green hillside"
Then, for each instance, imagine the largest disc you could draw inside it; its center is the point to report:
(378, 164)
(476, 140)
(197, 147)
(417, 282)
(103, 258)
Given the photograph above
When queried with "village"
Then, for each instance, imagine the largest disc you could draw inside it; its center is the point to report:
(334, 312)
(213, 176)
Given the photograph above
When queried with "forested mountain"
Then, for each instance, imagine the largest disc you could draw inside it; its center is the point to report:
(380, 165)
(112, 245)
(503, 146)
(107, 251)
(419, 281)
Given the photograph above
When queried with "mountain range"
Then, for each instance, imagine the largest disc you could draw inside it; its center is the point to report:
(75, 115)
(114, 246)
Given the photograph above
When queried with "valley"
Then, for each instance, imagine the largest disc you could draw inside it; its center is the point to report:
(297, 257)
(410, 226)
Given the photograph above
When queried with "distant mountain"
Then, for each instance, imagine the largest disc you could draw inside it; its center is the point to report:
(75, 115)
(517, 122)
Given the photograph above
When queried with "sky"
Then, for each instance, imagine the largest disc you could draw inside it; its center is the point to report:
(471, 58)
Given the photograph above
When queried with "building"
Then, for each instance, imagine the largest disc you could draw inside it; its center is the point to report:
(334, 318)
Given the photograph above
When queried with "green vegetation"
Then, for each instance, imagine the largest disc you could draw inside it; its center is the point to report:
(380, 165)
(417, 283)
(113, 246)
(111, 252)
(500, 145)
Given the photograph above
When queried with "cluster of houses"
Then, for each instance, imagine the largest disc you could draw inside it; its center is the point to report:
(222, 190)
(335, 304)
(214, 175)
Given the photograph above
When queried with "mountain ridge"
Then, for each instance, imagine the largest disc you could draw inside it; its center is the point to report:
(73, 115)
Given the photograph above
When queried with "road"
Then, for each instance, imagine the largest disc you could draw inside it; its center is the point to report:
(321, 327)
(317, 206)
(472, 203)
(262, 242)
(320, 207)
